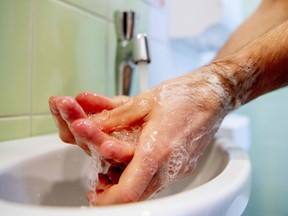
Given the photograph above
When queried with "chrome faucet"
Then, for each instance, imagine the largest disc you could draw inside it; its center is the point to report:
(130, 51)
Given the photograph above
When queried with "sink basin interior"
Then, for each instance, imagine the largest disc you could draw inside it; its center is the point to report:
(58, 176)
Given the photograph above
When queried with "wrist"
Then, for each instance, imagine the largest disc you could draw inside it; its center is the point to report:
(237, 76)
(211, 84)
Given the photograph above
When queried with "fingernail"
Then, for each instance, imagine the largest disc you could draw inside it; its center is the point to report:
(64, 102)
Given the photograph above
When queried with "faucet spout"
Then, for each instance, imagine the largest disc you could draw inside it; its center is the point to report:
(130, 51)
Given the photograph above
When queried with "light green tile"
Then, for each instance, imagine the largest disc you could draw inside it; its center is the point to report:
(97, 6)
(112, 44)
(14, 128)
(42, 125)
(115, 5)
(70, 53)
(14, 57)
(142, 13)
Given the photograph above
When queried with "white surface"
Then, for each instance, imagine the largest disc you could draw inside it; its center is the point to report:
(221, 186)
(189, 18)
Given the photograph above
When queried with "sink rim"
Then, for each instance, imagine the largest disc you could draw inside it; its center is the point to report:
(238, 170)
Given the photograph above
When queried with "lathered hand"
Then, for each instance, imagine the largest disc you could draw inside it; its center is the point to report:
(175, 122)
(65, 110)
(69, 112)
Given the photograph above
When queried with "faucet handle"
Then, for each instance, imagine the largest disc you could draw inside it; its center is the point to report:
(125, 23)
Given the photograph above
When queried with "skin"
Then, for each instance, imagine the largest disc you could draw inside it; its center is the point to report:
(267, 16)
(178, 118)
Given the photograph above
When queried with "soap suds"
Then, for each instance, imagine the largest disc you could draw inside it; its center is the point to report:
(130, 135)
(242, 78)
(176, 161)
(97, 165)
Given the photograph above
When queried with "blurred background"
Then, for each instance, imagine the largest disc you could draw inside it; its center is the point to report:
(62, 47)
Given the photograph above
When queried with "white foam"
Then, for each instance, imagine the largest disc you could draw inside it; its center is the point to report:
(97, 165)
(176, 161)
(94, 169)
(130, 135)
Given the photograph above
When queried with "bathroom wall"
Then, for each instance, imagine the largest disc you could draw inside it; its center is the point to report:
(55, 47)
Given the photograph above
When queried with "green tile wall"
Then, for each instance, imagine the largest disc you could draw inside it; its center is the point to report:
(69, 53)
(14, 57)
(14, 127)
(54, 47)
(99, 7)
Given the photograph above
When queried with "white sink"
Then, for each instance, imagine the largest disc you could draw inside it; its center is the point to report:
(43, 176)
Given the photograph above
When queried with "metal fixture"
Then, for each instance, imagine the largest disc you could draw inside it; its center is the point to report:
(130, 50)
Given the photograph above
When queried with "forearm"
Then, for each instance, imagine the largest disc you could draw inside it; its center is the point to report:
(268, 15)
(260, 67)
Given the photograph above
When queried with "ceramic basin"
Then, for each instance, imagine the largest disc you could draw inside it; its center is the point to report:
(43, 176)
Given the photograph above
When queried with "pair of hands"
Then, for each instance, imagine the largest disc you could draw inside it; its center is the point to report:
(174, 123)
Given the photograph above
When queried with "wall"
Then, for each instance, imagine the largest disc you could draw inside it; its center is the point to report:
(54, 47)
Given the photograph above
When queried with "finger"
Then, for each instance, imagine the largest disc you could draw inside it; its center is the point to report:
(109, 147)
(93, 103)
(127, 115)
(120, 152)
(88, 132)
(103, 183)
(140, 179)
(132, 183)
(120, 100)
(63, 129)
(69, 109)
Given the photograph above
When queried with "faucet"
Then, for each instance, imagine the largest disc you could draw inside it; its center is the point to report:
(131, 50)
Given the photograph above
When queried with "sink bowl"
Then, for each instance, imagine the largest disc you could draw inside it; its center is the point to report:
(43, 176)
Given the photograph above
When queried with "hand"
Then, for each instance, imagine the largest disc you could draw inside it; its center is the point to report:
(175, 122)
(65, 110)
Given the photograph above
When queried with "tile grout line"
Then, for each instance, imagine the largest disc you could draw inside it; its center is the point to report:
(3, 117)
(31, 60)
(81, 9)
(107, 56)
